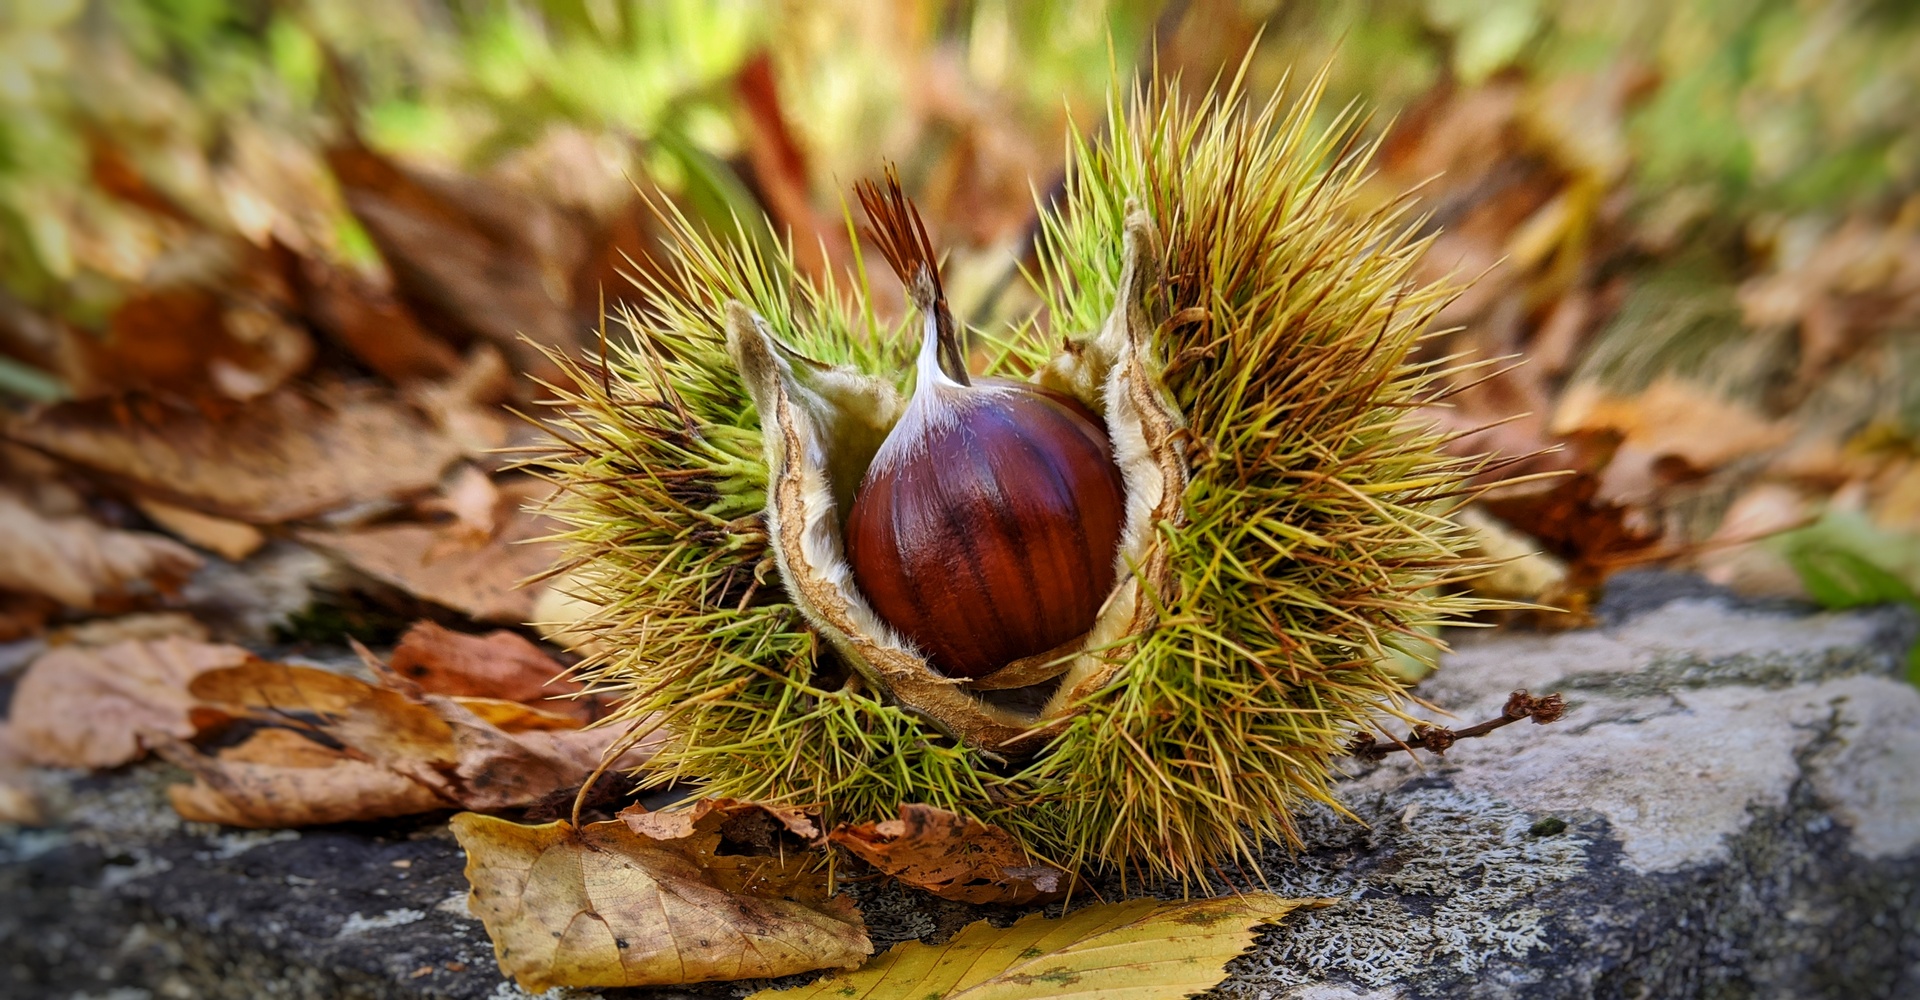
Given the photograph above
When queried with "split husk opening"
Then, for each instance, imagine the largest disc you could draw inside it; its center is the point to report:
(821, 426)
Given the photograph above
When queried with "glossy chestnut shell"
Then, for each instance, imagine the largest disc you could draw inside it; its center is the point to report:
(992, 535)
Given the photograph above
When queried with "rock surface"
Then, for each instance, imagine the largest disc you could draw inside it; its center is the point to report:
(1731, 808)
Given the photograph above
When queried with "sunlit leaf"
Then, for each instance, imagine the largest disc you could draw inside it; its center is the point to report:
(1144, 949)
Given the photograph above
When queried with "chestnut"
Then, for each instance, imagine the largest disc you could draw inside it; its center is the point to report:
(986, 528)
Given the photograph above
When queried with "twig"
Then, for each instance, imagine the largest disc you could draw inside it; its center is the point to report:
(1437, 739)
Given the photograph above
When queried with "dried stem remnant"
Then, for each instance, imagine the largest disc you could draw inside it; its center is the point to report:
(1437, 739)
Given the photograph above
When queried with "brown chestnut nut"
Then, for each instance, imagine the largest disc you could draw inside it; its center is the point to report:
(986, 528)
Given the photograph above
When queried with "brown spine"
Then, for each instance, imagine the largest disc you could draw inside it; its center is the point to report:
(901, 235)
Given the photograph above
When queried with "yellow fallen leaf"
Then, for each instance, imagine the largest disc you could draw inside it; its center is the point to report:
(608, 905)
(1143, 949)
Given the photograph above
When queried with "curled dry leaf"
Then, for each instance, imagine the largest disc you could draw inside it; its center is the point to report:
(627, 903)
(427, 561)
(496, 769)
(383, 725)
(953, 856)
(288, 455)
(500, 664)
(745, 828)
(473, 753)
(280, 778)
(1671, 423)
(93, 707)
(76, 561)
(1143, 949)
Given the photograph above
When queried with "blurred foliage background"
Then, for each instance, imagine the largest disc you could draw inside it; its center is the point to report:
(1697, 223)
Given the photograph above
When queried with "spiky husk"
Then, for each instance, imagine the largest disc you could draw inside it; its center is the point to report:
(1316, 543)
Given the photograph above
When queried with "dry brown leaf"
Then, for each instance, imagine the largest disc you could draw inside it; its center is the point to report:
(472, 501)
(499, 664)
(471, 257)
(449, 747)
(19, 799)
(509, 758)
(385, 726)
(24, 615)
(496, 769)
(1858, 280)
(217, 327)
(231, 540)
(466, 404)
(1670, 420)
(422, 560)
(749, 828)
(279, 778)
(290, 455)
(76, 561)
(372, 324)
(953, 856)
(147, 626)
(90, 707)
(607, 906)
(1591, 536)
